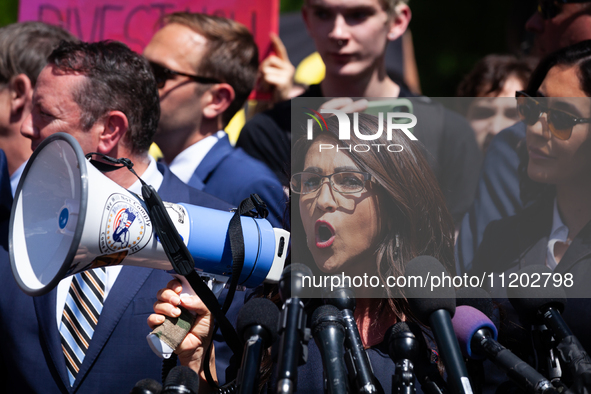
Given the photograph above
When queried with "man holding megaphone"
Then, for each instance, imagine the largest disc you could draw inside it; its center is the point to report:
(88, 334)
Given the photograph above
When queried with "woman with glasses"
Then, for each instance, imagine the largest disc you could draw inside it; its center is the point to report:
(366, 213)
(361, 209)
(555, 230)
(366, 209)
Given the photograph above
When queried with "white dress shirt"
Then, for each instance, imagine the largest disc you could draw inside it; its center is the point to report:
(186, 162)
(152, 177)
(16, 177)
(559, 233)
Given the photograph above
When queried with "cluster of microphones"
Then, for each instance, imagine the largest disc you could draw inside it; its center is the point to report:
(461, 322)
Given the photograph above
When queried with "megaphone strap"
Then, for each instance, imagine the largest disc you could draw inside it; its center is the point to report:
(183, 264)
(112, 165)
(178, 254)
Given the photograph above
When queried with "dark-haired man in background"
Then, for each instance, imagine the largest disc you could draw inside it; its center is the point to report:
(105, 96)
(206, 67)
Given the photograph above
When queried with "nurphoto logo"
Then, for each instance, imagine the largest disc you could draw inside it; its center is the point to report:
(392, 123)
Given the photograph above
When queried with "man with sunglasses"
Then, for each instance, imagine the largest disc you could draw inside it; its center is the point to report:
(556, 24)
(205, 67)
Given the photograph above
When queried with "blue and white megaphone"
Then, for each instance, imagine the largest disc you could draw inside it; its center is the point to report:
(68, 217)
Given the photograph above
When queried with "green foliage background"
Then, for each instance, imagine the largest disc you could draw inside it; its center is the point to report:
(449, 36)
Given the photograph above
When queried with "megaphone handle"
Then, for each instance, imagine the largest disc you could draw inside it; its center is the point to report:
(165, 338)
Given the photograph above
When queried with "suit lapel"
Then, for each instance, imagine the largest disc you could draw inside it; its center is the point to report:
(169, 190)
(45, 309)
(213, 158)
(578, 249)
(128, 283)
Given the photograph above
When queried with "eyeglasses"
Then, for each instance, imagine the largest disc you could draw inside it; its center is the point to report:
(163, 74)
(550, 8)
(560, 122)
(342, 182)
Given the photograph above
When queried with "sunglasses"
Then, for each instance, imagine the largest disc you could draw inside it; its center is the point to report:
(550, 8)
(560, 122)
(163, 74)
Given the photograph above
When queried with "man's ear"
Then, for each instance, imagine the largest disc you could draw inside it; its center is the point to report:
(400, 21)
(114, 127)
(218, 99)
(21, 94)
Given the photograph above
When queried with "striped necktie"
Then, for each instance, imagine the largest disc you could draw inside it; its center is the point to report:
(84, 304)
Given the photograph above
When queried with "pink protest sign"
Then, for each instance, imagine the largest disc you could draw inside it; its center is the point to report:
(135, 21)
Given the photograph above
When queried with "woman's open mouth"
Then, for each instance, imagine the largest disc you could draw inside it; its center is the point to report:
(324, 234)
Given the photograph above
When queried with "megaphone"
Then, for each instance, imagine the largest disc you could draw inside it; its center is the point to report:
(68, 217)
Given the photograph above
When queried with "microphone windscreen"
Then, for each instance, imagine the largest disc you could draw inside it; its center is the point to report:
(325, 314)
(466, 322)
(478, 298)
(343, 297)
(397, 329)
(146, 386)
(528, 300)
(181, 378)
(290, 284)
(433, 294)
(260, 311)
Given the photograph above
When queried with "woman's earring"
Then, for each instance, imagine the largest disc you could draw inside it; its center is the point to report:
(397, 245)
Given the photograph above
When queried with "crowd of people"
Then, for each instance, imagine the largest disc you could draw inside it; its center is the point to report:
(502, 185)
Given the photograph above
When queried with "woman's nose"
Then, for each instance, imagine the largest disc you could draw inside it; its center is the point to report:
(540, 128)
(326, 200)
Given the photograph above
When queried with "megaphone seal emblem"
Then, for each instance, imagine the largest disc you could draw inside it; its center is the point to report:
(125, 225)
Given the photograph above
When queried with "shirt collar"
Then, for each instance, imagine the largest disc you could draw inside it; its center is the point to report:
(559, 233)
(151, 176)
(16, 177)
(186, 162)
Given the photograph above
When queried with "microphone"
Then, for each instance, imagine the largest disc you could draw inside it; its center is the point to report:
(426, 371)
(543, 305)
(257, 325)
(181, 380)
(480, 299)
(404, 350)
(477, 337)
(357, 359)
(146, 386)
(292, 328)
(434, 306)
(329, 335)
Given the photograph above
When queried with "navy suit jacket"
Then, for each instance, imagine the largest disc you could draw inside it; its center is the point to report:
(231, 174)
(497, 195)
(118, 356)
(5, 191)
